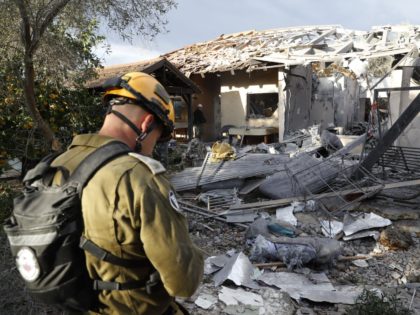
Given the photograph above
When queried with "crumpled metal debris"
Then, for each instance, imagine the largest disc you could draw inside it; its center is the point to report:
(238, 269)
(364, 221)
(215, 263)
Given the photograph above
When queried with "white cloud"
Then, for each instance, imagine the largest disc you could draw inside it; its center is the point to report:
(121, 53)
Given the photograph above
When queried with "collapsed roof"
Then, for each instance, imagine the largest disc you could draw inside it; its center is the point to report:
(292, 46)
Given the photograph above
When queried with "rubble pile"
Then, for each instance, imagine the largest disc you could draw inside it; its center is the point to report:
(286, 230)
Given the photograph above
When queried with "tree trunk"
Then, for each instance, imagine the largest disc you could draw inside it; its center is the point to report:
(29, 91)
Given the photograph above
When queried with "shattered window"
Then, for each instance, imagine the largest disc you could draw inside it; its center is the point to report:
(262, 105)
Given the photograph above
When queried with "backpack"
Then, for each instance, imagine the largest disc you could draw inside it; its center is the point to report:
(45, 234)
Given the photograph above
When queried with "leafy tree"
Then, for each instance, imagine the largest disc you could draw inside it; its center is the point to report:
(53, 40)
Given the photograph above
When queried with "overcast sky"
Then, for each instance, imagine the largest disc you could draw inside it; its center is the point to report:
(201, 20)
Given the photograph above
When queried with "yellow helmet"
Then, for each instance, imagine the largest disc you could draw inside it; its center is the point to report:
(146, 92)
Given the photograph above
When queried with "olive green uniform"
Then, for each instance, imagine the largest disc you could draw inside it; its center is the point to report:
(128, 212)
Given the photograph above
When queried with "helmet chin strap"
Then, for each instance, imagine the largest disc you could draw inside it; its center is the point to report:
(141, 135)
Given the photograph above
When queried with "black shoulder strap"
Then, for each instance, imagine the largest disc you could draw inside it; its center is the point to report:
(94, 161)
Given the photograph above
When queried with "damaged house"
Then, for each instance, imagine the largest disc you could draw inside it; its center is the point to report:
(281, 80)
(271, 83)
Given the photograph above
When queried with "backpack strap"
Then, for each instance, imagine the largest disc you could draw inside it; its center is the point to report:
(94, 161)
(104, 255)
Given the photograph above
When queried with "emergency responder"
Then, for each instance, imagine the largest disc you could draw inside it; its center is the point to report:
(129, 208)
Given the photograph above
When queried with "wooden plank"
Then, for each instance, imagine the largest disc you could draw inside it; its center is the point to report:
(286, 201)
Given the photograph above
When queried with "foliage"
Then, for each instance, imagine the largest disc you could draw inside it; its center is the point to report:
(61, 99)
(47, 51)
(8, 191)
(369, 303)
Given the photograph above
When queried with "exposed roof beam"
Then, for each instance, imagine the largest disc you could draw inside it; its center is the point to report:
(322, 36)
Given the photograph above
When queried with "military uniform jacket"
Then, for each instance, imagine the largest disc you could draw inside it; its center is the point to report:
(129, 210)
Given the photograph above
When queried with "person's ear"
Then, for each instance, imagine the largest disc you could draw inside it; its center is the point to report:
(147, 122)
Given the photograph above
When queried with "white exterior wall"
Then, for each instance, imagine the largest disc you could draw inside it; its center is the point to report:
(234, 100)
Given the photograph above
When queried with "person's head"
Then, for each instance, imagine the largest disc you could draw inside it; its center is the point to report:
(200, 106)
(140, 111)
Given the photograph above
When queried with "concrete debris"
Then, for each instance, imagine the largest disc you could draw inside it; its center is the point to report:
(239, 296)
(360, 263)
(330, 141)
(315, 287)
(293, 46)
(364, 221)
(286, 215)
(395, 239)
(195, 153)
(331, 228)
(239, 270)
(205, 301)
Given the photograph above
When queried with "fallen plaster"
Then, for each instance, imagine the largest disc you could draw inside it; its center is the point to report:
(236, 296)
(239, 270)
(316, 287)
(364, 221)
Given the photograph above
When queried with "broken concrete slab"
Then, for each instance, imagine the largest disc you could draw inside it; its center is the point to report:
(205, 301)
(340, 295)
(239, 296)
(239, 270)
(314, 287)
(364, 221)
(276, 302)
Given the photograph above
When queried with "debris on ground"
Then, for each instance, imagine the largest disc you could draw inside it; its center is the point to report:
(290, 220)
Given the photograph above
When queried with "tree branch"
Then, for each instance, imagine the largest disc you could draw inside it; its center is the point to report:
(50, 12)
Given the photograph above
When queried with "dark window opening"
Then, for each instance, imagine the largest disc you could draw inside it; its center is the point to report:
(262, 105)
